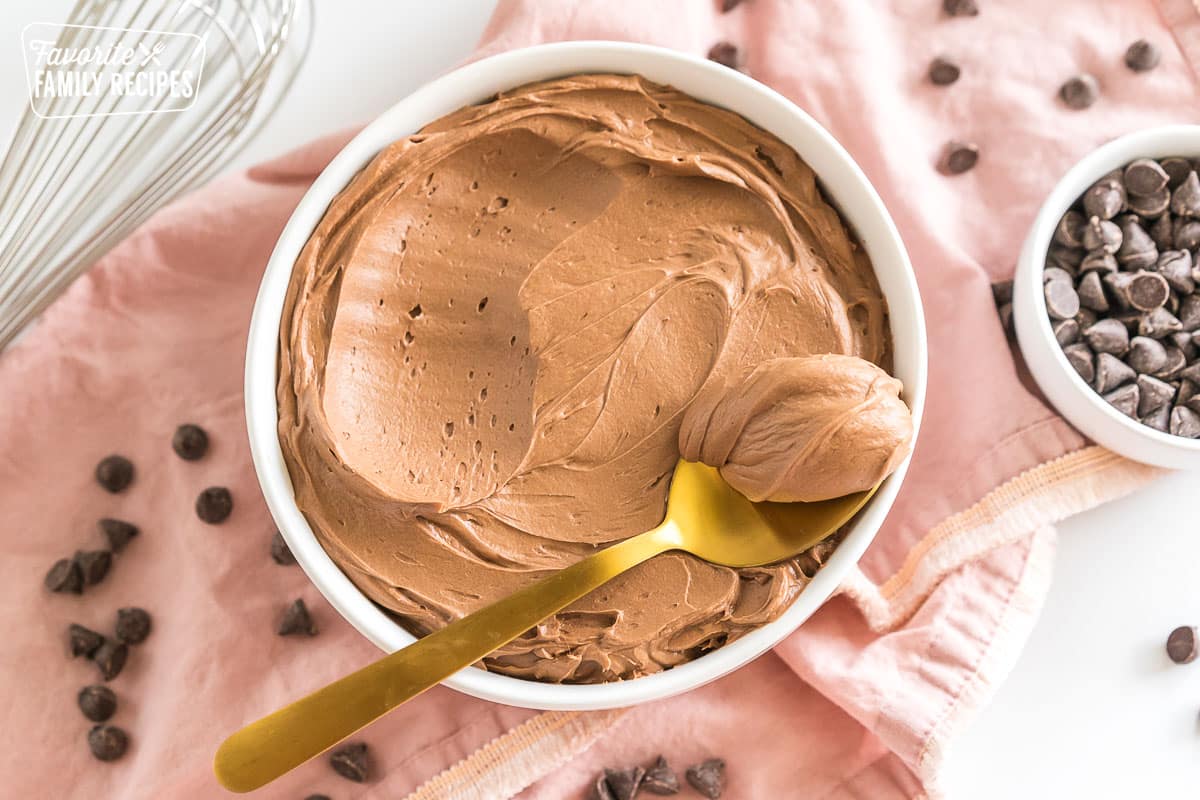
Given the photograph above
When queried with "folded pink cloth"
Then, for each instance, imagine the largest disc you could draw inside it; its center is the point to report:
(861, 702)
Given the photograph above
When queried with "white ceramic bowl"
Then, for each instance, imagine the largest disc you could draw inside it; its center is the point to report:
(1073, 397)
(843, 182)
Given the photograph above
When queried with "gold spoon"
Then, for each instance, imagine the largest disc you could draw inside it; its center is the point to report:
(705, 517)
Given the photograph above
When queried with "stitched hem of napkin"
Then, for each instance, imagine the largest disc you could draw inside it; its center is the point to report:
(1030, 502)
(1183, 20)
(1040, 496)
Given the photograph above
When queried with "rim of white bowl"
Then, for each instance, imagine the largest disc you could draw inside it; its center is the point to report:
(843, 182)
(1065, 387)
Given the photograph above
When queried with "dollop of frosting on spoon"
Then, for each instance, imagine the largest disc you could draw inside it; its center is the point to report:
(801, 429)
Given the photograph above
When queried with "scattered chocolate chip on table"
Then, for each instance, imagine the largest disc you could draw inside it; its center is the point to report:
(352, 762)
(110, 658)
(943, 72)
(133, 625)
(317, 797)
(281, 554)
(661, 779)
(64, 576)
(296, 620)
(1080, 92)
(725, 54)
(960, 8)
(107, 742)
(214, 505)
(1142, 56)
(118, 533)
(190, 442)
(707, 777)
(1182, 644)
(98, 703)
(620, 784)
(83, 641)
(93, 565)
(729, 5)
(958, 157)
(114, 473)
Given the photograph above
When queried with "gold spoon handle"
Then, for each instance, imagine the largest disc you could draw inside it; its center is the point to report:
(266, 749)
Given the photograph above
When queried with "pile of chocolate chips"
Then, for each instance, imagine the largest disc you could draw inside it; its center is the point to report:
(1120, 284)
(707, 779)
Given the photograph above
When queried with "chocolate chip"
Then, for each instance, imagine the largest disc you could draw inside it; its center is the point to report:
(1111, 372)
(1102, 234)
(725, 54)
(1176, 361)
(114, 473)
(1184, 343)
(1081, 358)
(1137, 250)
(1189, 313)
(98, 703)
(1050, 274)
(1187, 234)
(1124, 399)
(943, 72)
(1098, 261)
(1091, 292)
(190, 442)
(1067, 259)
(1176, 267)
(1192, 373)
(1153, 394)
(1162, 232)
(93, 565)
(133, 625)
(1159, 323)
(1142, 56)
(64, 576)
(1177, 170)
(83, 641)
(1066, 331)
(1079, 92)
(1182, 645)
(214, 505)
(110, 658)
(708, 777)
(1146, 355)
(1185, 200)
(729, 5)
(280, 552)
(1069, 232)
(661, 779)
(1086, 318)
(1145, 176)
(1147, 291)
(118, 532)
(107, 742)
(1159, 419)
(1150, 206)
(958, 157)
(960, 8)
(296, 620)
(1104, 199)
(352, 762)
(317, 797)
(1061, 300)
(1185, 422)
(1107, 336)
(623, 783)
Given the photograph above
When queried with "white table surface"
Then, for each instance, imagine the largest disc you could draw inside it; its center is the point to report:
(1092, 709)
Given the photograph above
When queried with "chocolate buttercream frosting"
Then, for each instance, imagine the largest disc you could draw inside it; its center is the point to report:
(492, 343)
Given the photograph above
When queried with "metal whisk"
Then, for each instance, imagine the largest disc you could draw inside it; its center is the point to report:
(82, 171)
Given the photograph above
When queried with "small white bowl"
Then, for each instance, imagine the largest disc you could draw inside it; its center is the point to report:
(1069, 393)
(844, 184)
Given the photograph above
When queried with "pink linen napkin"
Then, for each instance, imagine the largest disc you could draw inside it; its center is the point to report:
(861, 702)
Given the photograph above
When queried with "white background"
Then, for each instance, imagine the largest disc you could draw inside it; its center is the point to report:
(1093, 707)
